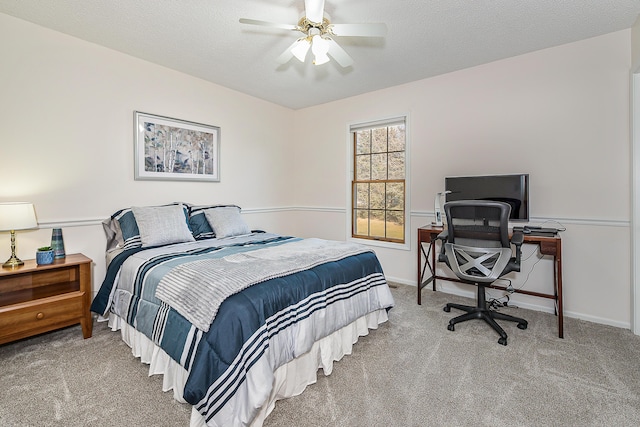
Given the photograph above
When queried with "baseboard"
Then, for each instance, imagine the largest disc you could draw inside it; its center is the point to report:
(401, 281)
(596, 319)
(528, 306)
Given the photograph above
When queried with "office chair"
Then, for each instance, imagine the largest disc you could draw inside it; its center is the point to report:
(477, 248)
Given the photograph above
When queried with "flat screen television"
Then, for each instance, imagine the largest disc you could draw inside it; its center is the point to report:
(512, 189)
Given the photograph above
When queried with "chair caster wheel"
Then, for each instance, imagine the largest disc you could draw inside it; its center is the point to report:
(522, 326)
(451, 327)
(502, 341)
(446, 308)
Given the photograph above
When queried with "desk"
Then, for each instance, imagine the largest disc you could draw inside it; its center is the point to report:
(548, 246)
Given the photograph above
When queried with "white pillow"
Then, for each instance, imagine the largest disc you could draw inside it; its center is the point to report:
(162, 225)
(226, 221)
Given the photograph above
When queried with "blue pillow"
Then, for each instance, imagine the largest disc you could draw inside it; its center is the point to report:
(198, 222)
(129, 228)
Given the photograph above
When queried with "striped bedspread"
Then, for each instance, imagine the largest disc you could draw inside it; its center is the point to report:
(255, 330)
(196, 289)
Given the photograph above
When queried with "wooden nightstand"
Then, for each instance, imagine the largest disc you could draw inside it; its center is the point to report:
(40, 298)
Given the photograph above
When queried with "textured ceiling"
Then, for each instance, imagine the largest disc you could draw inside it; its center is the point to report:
(425, 38)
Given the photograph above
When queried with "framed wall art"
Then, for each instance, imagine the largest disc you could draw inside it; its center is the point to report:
(172, 149)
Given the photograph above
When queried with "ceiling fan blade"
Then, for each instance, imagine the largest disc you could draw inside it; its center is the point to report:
(268, 24)
(314, 10)
(285, 56)
(359, 30)
(339, 54)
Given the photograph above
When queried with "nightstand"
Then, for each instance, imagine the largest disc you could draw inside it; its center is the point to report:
(40, 298)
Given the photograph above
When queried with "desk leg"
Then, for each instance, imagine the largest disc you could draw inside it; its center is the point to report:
(419, 283)
(432, 267)
(422, 270)
(557, 272)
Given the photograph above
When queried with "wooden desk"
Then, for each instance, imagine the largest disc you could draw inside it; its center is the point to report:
(548, 246)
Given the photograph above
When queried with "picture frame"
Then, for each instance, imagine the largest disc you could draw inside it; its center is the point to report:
(175, 150)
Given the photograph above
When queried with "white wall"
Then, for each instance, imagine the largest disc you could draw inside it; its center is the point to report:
(635, 171)
(560, 114)
(635, 45)
(66, 139)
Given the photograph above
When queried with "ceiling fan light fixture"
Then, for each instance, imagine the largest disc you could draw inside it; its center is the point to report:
(318, 31)
(321, 59)
(301, 48)
(320, 48)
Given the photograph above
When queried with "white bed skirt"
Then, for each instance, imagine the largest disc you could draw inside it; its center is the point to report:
(289, 380)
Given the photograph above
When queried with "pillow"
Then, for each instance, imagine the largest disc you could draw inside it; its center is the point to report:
(122, 230)
(198, 221)
(226, 221)
(130, 235)
(113, 233)
(115, 242)
(162, 225)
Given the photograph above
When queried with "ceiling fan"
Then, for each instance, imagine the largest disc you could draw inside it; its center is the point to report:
(317, 33)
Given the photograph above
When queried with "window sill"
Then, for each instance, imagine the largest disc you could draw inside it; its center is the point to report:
(406, 246)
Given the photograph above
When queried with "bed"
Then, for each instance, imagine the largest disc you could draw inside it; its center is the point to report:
(234, 319)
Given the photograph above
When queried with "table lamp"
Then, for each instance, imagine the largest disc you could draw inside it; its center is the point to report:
(16, 216)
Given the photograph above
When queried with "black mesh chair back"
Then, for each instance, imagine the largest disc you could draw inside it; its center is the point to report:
(478, 223)
(477, 233)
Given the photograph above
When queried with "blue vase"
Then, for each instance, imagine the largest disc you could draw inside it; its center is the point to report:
(44, 257)
(57, 243)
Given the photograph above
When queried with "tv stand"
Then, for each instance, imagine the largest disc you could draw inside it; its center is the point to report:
(549, 245)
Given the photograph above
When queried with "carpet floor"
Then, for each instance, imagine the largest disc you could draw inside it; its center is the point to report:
(411, 371)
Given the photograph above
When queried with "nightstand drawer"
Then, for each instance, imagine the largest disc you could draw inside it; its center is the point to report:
(33, 317)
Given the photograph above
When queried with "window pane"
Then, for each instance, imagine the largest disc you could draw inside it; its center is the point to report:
(379, 166)
(362, 196)
(377, 196)
(395, 225)
(377, 224)
(363, 167)
(396, 165)
(362, 222)
(379, 160)
(396, 138)
(395, 196)
(363, 142)
(379, 143)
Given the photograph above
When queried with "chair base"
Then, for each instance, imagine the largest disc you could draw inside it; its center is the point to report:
(480, 311)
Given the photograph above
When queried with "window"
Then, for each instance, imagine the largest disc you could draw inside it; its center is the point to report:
(378, 189)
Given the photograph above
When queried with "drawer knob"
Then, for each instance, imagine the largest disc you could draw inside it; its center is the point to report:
(40, 316)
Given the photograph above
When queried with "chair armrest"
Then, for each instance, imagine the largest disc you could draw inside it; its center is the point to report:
(517, 239)
(443, 236)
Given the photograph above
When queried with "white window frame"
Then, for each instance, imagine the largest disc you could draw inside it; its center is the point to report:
(385, 121)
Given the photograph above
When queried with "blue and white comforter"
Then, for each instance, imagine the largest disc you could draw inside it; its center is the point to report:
(254, 331)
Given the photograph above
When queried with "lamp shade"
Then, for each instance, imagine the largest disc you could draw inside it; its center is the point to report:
(17, 216)
(301, 48)
(320, 47)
